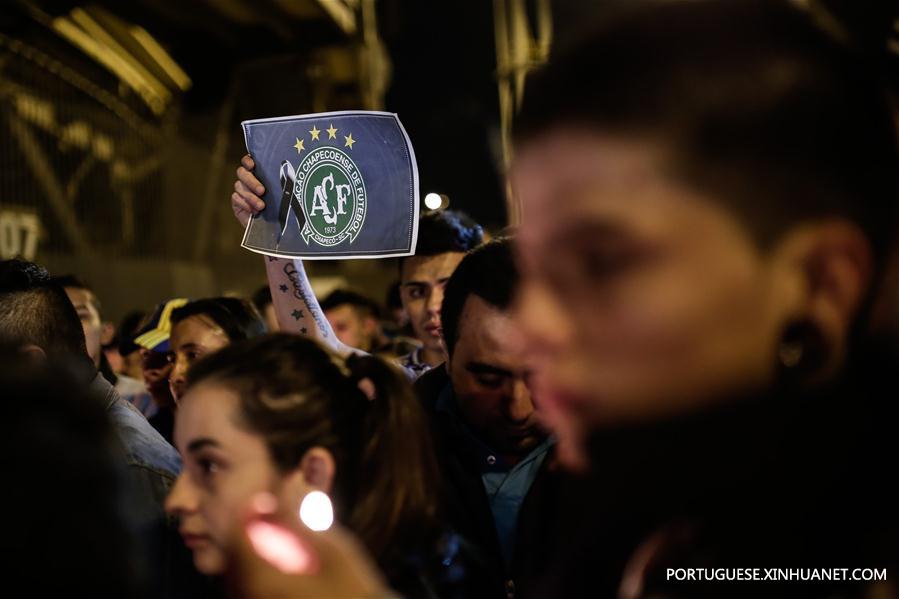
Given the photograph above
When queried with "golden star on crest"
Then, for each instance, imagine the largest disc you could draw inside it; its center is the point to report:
(299, 145)
(349, 141)
(314, 133)
(332, 132)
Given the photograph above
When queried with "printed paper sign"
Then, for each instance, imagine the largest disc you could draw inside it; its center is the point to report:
(337, 185)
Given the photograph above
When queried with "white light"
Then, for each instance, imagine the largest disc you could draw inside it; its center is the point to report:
(316, 511)
(433, 201)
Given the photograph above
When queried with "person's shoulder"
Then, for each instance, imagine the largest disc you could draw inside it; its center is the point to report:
(126, 386)
(144, 446)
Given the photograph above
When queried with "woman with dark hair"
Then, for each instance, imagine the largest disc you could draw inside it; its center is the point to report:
(261, 415)
(203, 326)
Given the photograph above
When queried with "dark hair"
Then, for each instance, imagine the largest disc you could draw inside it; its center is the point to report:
(51, 424)
(127, 329)
(394, 298)
(73, 282)
(754, 103)
(444, 231)
(296, 396)
(262, 298)
(70, 281)
(341, 297)
(36, 310)
(236, 317)
(488, 272)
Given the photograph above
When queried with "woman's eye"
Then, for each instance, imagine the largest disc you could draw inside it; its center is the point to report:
(192, 356)
(208, 467)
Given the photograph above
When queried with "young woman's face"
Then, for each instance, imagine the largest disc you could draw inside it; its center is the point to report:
(190, 340)
(224, 467)
(640, 298)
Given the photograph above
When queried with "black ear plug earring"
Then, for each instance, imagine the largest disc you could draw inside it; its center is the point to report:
(801, 353)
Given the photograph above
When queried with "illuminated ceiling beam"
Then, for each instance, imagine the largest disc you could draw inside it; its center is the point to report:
(96, 30)
(162, 58)
(342, 13)
(109, 59)
(46, 178)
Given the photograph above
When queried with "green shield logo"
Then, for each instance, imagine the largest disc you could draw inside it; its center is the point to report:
(331, 192)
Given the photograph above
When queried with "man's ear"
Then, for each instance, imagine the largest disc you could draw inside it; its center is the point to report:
(835, 263)
(370, 325)
(318, 468)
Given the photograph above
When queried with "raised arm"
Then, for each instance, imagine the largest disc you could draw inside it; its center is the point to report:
(296, 306)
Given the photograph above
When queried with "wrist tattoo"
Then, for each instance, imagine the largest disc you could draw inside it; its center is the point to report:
(305, 295)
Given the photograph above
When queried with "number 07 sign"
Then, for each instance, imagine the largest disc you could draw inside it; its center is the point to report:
(337, 185)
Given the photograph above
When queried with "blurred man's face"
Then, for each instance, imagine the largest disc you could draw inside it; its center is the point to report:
(86, 306)
(155, 369)
(421, 288)
(352, 327)
(490, 379)
(131, 365)
(641, 298)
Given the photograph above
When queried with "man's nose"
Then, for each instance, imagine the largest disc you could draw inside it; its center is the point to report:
(520, 405)
(435, 300)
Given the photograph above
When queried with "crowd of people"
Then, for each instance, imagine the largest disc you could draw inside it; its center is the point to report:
(679, 362)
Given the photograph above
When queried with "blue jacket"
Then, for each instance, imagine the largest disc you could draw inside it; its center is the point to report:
(153, 464)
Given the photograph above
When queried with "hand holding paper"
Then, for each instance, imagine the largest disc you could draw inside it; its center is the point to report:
(336, 185)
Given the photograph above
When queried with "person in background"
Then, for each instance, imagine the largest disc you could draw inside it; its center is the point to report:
(87, 306)
(150, 342)
(710, 194)
(203, 326)
(123, 362)
(278, 411)
(496, 461)
(354, 319)
(262, 300)
(443, 239)
(37, 317)
(356, 322)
